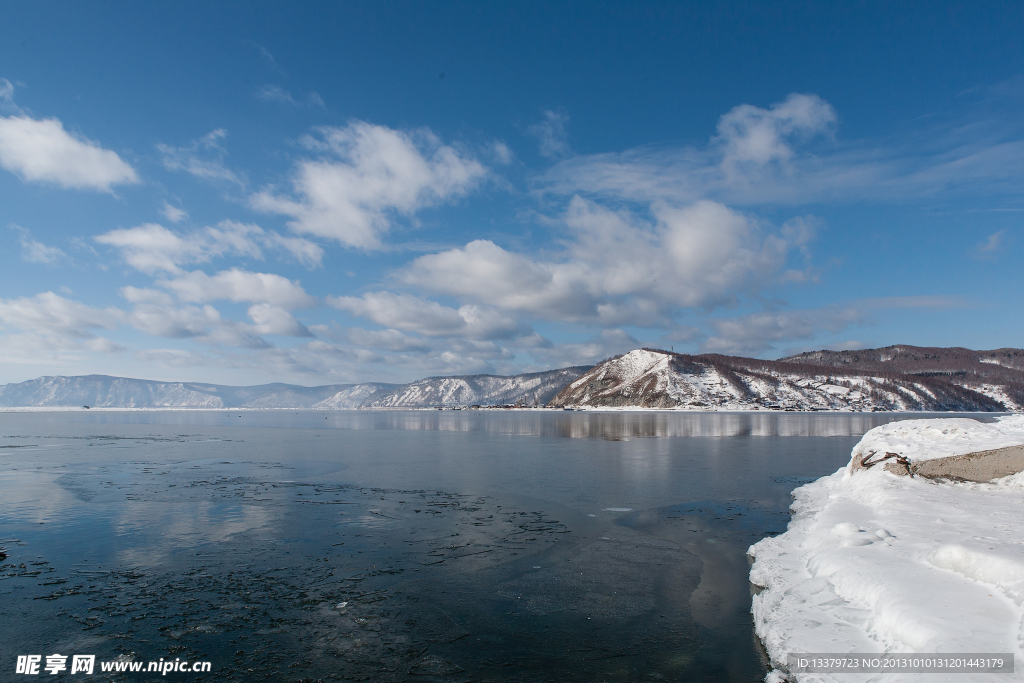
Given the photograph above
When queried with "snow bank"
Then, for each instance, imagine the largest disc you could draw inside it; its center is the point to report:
(919, 440)
(875, 562)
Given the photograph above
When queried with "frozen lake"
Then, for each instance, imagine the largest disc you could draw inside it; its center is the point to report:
(393, 546)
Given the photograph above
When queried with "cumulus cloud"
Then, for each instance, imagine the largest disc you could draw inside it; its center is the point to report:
(413, 314)
(42, 151)
(34, 251)
(550, 134)
(618, 269)
(607, 343)
(203, 158)
(239, 286)
(755, 333)
(152, 248)
(391, 340)
(367, 174)
(749, 134)
(49, 323)
(156, 314)
(269, 319)
(163, 319)
(52, 314)
(57, 323)
(140, 295)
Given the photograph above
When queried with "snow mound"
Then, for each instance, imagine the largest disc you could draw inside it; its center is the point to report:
(875, 562)
(919, 440)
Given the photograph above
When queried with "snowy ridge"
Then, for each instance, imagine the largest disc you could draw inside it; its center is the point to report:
(899, 378)
(650, 378)
(532, 389)
(350, 398)
(873, 562)
(101, 391)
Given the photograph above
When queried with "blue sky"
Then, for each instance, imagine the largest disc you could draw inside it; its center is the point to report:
(324, 193)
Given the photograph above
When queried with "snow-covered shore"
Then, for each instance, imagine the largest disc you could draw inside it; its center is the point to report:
(875, 562)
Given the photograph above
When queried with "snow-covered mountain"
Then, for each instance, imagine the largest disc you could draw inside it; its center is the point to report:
(894, 378)
(352, 397)
(658, 379)
(101, 391)
(533, 389)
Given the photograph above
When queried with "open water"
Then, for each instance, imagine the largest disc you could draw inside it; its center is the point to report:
(399, 546)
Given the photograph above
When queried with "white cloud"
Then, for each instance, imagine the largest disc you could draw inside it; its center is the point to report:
(162, 319)
(153, 248)
(42, 151)
(275, 93)
(138, 295)
(413, 314)
(305, 252)
(550, 133)
(52, 353)
(273, 320)
(52, 314)
(239, 286)
(501, 153)
(608, 343)
(617, 269)
(203, 158)
(34, 251)
(173, 213)
(402, 311)
(368, 173)
(156, 314)
(391, 340)
(754, 333)
(770, 156)
(750, 134)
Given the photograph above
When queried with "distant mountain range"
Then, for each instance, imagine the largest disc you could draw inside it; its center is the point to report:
(102, 391)
(905, 378)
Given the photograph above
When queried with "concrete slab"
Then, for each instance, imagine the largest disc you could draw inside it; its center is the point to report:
(978, 466)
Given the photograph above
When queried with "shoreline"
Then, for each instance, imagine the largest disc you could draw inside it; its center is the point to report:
(446, 409)
(874, 562)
